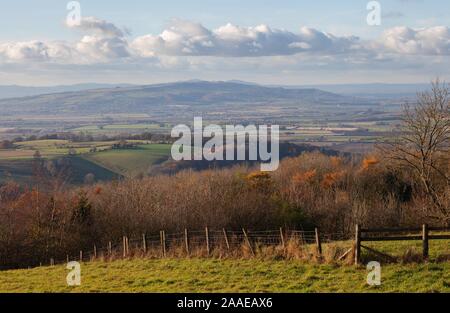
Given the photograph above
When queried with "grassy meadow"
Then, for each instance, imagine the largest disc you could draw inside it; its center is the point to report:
(215, 275)
(263, 273)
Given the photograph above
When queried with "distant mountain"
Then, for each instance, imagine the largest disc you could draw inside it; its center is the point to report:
(14, 91)
(172, 96)
(359, 90)
(379, 90)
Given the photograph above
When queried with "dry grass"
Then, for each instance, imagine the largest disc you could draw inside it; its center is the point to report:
(335, 253)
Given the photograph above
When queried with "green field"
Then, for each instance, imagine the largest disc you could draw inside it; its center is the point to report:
(53, 148)
(21, 171)
(123, 128)
(117, 126)
(130, 162)
(214, 275)
(105, 163)
(80, 167)
(264, 273)
(18, 170)
(17, 164)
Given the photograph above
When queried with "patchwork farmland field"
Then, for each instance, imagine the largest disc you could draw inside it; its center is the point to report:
(21, 170)
(97, 158)
(130, 162)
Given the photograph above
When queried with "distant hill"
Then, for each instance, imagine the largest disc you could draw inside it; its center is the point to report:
(371, 90)
(360, 90)
(154, 98)
(14, 91)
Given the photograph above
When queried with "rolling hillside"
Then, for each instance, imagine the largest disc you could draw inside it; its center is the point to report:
(131, 162)
(145, 99)
(14, 91)
(22, 170)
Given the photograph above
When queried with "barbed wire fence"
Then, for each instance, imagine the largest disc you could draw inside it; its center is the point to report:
(243, 243)
(200, 243)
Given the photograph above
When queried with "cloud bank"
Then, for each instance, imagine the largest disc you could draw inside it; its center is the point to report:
(183, 38)
(187, 47)
(102, 41)
(426, 41)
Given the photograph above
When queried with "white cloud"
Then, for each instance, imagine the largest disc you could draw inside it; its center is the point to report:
(33, 51)
(100, 27)
(98, 49)
(426, 41)
(104, 42)
(184, 38)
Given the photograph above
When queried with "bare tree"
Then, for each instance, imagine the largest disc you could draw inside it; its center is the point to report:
(423, 147)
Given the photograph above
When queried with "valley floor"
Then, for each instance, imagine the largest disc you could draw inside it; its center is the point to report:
(214, 275)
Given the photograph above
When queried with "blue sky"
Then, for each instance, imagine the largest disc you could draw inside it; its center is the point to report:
(37, 48)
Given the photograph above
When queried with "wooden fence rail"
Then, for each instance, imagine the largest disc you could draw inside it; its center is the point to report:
(392, 234)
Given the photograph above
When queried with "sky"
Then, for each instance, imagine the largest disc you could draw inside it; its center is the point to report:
(270, 42)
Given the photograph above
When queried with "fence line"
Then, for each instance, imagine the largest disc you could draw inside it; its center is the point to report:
(207, 239)
(187, 241)
(393, 234)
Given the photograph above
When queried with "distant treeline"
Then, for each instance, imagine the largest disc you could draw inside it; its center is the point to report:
(83, 137)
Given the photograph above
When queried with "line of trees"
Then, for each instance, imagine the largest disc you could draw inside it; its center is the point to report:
(83, 137)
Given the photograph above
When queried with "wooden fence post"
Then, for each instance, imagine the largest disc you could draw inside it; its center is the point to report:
(318, 242)
(95, 252)
(207, 240)
(144, 243)
(127, 245)
(283, 244)
(248, 242)
(186, 241)
(67, 258)
(425, 241)
(226, 239)
(357, 244)
(124, 246)
(81, 255)
(109, 248)
(52, 262)
(162, 235)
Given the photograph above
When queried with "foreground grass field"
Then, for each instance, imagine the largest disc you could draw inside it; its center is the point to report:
(214, 275)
